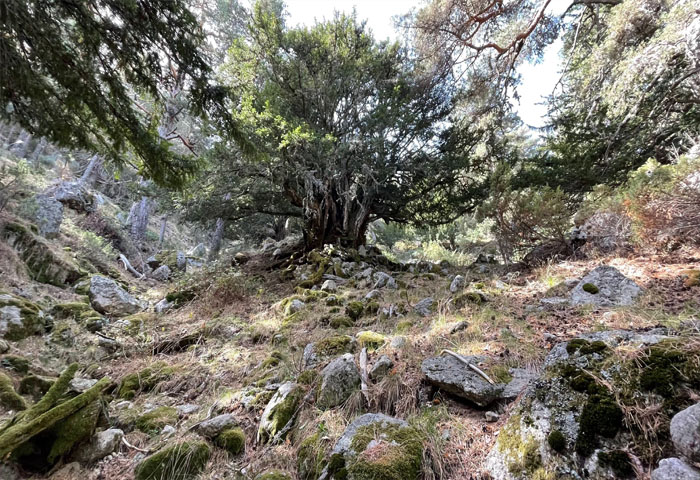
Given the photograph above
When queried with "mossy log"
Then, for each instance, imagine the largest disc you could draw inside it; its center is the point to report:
(47, 411)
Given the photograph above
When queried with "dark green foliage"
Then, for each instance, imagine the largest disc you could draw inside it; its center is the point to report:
(76, 83)
(618, 461)
(601, 416)
(556, 441)
(663, 371)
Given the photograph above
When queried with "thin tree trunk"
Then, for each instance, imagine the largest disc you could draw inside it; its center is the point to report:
(8, 138)
(217, 239)
(85, 177)
(39, 149)
(163, 224)
(139, 222)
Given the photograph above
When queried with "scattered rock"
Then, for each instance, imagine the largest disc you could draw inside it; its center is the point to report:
(425, 307)
(381, 368)
(685, 432)
(376, 446)
(340, 379)
(329, 286)
(49, 215)
(19, 318)
(101, 444)
(457, 283)
(214, 426)
(605, 286)
(455, 377)
(373, 294)
(74, 196)
(382, 279)
(163, 306)
(491, 416)
(674, 469)
(459, 326)
(187, 409)
(315, 353)
(280, 410)
(161, 273)
(107, 297)
(294, 306)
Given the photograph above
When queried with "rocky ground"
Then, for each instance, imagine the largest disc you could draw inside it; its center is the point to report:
(342, 364)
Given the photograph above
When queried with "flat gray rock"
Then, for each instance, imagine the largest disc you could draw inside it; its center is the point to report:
(107, 297)
(214, 426)
(453, 376)
(607, 287)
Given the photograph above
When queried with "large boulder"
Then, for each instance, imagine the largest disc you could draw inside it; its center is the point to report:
(570, 422)
(685, 432)
(49, 215)
(214, 426)
(45, 263)
(19, 318)
(107, 297)
(605, 286)
(340, 379)
(279, 410)
(455, 377)
(74, 196)
(376, 446)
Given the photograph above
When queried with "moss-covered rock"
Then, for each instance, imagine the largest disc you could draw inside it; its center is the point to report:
(35, 385)
(71, 310)
(19, 318)
(9, 399)
(590, 288)
(354, 310)
(310, 457)
(45, 263)
(153, 421)
(17, 363)
(273, 475)
(280, 410)
(370, 340)
(144, 380)
(341, 322)
(182, 461)
(377, 447)
(232, 440)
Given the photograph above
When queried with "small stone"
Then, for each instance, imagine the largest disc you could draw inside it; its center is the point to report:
(491, 416)
(372, 294)
(167, 431)
(163, 306)
(381, 368)
(187, 409)
(161, 273)
(398, 342)
(212, 427)
(80, 385)
(458, 327)
(424, 308)
(101, 444)
(4, 346)
(674, 469)
(294, 306)
(685, 432)
(457, 283)
(329, 286)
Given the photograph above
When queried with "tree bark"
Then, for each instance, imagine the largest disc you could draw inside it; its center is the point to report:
(8, 138)
(139, 222)
(217, 239)
(89, 170)
(163, 224)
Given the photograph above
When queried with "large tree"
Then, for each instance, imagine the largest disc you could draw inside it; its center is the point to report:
(348, 130)
(81, 73)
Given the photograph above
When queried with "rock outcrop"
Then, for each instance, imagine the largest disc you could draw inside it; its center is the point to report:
(455, 377)
(109, 298)
(605, 286)
(340, 379)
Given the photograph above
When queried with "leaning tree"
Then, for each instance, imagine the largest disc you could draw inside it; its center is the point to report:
(348, 130)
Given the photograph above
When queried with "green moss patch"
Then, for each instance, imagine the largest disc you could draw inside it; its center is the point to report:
(182, 461)
(370, 340)
(388, 452)
(310, 457)
(618, 461)
(556, 441)
(584, 347)
(354, 309)
(590, 288)
(9, 399)
(153, 422)
(601, 417)
(143, 381)
(232, 440)
(333, 346)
